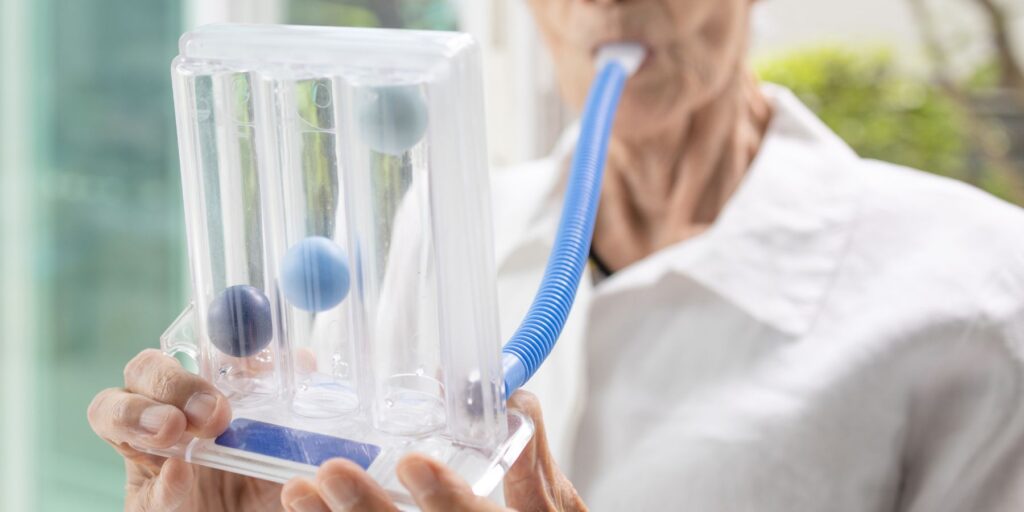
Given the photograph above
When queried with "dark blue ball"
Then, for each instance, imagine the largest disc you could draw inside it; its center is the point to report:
(314, 274)
(239, 321)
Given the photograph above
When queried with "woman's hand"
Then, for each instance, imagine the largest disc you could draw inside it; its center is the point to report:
(160, 404)
(533, 483)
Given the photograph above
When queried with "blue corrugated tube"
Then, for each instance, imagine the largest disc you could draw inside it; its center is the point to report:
(536, 336)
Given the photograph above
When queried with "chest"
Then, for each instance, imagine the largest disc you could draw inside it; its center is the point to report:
(690, 399)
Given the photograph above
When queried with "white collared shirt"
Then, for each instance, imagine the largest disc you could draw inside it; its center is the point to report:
(847, 336)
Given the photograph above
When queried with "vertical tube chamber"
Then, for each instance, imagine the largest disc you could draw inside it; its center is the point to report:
(221, 165)
(337, 205)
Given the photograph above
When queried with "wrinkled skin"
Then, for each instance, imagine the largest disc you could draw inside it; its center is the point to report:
(690, 123)
(696, 48)
(533, 483)
(161, 404)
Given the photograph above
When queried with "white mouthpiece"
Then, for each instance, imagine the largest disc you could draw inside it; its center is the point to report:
(629, 55)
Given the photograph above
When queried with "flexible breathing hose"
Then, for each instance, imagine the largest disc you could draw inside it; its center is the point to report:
(536, 336)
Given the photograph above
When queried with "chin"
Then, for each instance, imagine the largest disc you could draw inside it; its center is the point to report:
(645, 109)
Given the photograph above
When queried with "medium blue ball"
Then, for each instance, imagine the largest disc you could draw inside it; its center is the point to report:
(315, 275)
(239, 321)
(392, 118)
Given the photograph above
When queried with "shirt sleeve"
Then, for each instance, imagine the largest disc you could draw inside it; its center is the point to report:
(965, 442)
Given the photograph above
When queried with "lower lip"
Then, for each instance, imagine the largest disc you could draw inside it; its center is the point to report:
(594, 50)
(646, 63)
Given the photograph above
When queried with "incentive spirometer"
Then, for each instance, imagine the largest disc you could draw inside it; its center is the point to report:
(337, 210)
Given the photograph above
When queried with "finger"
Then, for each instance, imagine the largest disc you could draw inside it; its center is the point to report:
(122, 417)
(525, 467)
(300, 495)
(159, 376)
(346, 486)
(437, 488)
(168, 492)
(305, 361)
(525, 483)
(534, 481)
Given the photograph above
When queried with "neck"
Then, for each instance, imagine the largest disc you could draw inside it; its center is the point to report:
(671, 185)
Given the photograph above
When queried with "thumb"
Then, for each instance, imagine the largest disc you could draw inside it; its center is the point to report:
(168, 491)
(534, 482)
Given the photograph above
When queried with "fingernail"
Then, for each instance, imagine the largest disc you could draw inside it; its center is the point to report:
(308, 503)
(199, 408)
(419, 478)
(341, 492)
(153, 418)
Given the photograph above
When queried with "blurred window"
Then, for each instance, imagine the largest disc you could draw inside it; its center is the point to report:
(109, 255)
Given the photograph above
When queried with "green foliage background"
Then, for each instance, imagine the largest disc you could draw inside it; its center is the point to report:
(417, 14)
(885, 114)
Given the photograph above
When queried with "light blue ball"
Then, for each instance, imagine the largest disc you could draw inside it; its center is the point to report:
(315, 275)
(392, 118)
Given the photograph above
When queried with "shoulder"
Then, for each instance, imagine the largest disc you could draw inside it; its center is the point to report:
(941, 242)
(892, 199)
(950, 259)
(922, 188)
(932, 212)
(938, 243)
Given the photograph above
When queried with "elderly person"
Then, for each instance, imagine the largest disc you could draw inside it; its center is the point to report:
(771, 323)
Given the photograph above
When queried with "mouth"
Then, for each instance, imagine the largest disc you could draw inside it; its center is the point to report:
(647, 47)
(594, 49)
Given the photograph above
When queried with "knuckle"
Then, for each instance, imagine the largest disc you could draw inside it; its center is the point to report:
(97, 408)
(168, 385)
(143, 361)
(122, 413)
(525, 400)
(528, 403)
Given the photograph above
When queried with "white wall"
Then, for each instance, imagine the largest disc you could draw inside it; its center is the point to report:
(785, 24)
(524, 113)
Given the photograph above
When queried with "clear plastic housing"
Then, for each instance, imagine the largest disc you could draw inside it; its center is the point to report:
(227, 232)
(337, 207)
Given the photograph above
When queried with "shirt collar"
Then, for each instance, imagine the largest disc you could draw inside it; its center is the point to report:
(777, 243)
